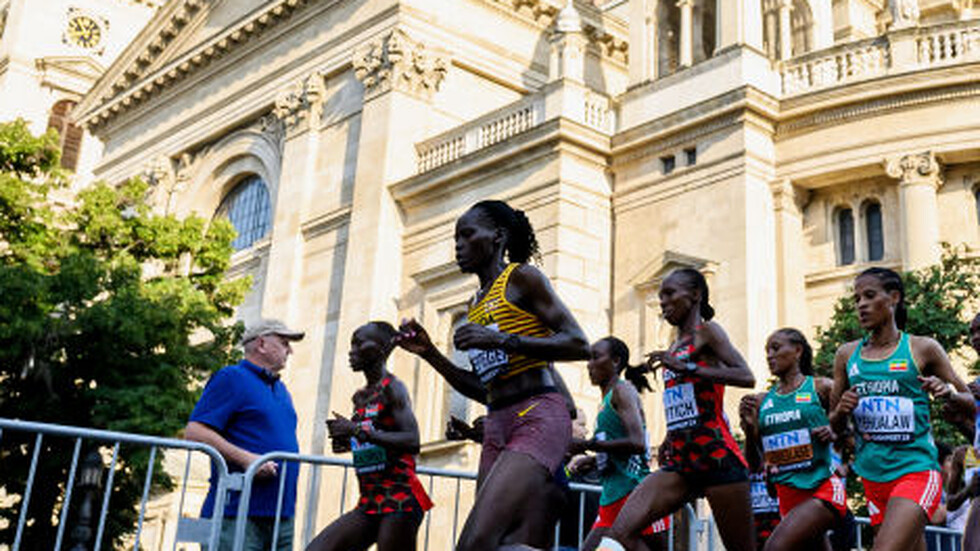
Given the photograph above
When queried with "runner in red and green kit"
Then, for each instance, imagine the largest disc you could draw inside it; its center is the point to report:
(789, 425)
(883, 382)
(699, 457)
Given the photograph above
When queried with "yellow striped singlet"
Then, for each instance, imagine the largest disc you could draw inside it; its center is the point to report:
(495, 312)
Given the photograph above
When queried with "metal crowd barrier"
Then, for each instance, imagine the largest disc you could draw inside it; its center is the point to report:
(699, 529)
(701, 534)
(40, 431)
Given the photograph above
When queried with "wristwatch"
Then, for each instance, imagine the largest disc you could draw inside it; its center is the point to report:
(690, 367)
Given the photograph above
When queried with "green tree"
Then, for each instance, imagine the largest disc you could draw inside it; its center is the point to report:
(939, 299)
(110, 316)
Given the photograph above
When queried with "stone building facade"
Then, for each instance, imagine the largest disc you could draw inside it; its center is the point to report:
(780, 146)
(51, 53)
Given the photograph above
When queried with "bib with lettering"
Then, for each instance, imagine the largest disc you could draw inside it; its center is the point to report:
(488, 364)
(762, 502)
(894, 432)
(785, 425)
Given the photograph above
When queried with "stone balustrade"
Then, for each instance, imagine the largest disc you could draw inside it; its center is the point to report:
(907, 50)
(485, 131)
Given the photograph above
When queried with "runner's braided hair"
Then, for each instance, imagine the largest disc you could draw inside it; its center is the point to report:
(635, 374)
(891, 281)
(521, 244)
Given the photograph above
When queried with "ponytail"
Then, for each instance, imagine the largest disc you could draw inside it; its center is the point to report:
(891, 281)
(635, 374)
(521, 243)
(695, 280)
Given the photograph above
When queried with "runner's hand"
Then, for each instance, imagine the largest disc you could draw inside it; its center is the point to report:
(748, 411)
(974, 389)
(413, 337)
(472, 335)
(824, 434)
(663, 358)
(341, 427)
(848, 401)
(935, 386)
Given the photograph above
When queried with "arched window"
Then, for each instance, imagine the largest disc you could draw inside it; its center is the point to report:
(71, 135)
(845, 236)
(248, 209)
(801, 22)
(976, 200)
(874, 232)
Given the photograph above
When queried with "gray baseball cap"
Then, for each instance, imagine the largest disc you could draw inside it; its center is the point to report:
(271, 327)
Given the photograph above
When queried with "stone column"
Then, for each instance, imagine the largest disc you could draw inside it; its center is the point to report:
(919, 177)
(788, 203)
(739, 22)
(785, 29)
(687, 33)
(643, 41)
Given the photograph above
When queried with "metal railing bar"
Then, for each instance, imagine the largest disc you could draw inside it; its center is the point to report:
(279, 498)
(459, 488)
(581, 516)
(428, 518)
(63, 518)
(146, 495)
(106, 495)
(557, 536)
(343, 491)
(183, 493)
(26, 501)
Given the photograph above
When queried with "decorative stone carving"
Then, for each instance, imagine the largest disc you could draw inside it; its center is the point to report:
(395, 61)
(789, 197)
(301, 102)
(904, 13)
(273, 128)
(914, 167)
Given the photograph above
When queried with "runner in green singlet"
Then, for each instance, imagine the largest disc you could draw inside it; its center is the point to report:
(789, 425)
(621, 452)
(883, 383)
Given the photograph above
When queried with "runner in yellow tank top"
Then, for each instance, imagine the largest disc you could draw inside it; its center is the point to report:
(517, 327)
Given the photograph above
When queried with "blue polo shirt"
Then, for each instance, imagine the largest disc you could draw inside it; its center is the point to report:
(253, 410)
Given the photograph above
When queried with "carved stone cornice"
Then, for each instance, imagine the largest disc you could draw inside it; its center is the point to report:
(397, 62)
(298, 105)
(133, 86)
(915, 168)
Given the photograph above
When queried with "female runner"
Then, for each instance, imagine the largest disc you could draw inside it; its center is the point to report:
(700, 456)
(790, 425)
(883, 382)
(620, 443)
(385, 438)
(517, 327)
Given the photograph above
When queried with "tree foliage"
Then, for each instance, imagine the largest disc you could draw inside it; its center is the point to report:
(110, 316)
(940, 305)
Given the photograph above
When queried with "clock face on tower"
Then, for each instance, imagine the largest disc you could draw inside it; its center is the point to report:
(83, 31)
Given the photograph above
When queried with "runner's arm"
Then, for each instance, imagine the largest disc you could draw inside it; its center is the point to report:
(405, 436)
(414, 338)
(841, 405)
(625, 401)
(533, 291)
(731, 368)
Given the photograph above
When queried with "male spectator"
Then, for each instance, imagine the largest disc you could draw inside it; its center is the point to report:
(245, 412)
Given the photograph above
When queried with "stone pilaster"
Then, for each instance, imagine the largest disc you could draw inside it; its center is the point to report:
(788, 203)
(400, 76)
(919, 177)
(643, 41)
(740, 22)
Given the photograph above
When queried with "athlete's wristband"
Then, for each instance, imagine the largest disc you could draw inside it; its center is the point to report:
(690, 367)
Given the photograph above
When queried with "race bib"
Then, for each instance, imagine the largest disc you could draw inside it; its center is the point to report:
(601, 458)
(680, 407)
(488, 364)
(762, 502)
(885, 418)
(368, 458)
(788, 451)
